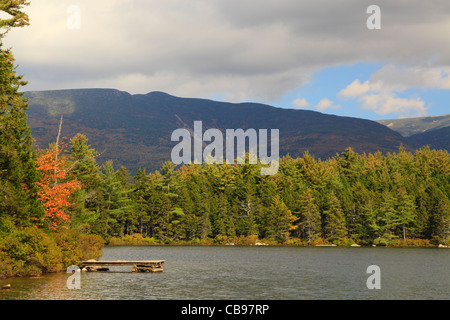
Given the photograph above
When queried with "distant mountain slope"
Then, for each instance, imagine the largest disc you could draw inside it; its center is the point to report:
(436, 139)
(135, 130)
(411, 126)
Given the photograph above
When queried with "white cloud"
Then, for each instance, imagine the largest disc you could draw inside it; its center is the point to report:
(300, 103)
(380, 92)
(356, 88)
(322, 105)
(325, 103)
(388, 103)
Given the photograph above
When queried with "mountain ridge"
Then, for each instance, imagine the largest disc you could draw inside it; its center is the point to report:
(135, 130)
(408, 127)
(435, 139)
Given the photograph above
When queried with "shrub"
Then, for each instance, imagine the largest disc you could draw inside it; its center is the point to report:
(30, 252)
(342, 242)
(135, 239)
(77, 247)
(68, 242)
(296, 242)
(381, 242)
(91, 246)
(318, 242)
(223, 240)
(115, 241)
(412, 243)
(5, 265)
(246, 241)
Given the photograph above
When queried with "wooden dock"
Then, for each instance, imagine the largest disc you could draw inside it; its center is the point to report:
(138, 265)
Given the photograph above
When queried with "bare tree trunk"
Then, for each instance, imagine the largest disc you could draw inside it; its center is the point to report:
(56, 149)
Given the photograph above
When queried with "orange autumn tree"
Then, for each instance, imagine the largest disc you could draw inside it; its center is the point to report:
(55, 187)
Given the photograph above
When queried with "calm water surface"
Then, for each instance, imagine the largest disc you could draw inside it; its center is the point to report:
(267, 273)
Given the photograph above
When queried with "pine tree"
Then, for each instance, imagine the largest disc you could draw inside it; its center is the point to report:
(334, 221)
(16, 18)
(406, 210)
(161, 216)
(223, 224)
(387, 219)
(368, 228)
(140, 195)
(126, 207)
(169, 182)
(349, 164)
(281, 220)
(312, 171)
(84, 167)
(442, 232)
(116, 194)
(310, 225)
(439, 217)
(18, 175)
(83, 162)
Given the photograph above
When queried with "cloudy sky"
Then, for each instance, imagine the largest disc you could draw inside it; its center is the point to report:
(316, 55)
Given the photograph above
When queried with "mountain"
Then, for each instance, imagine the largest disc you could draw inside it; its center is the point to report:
(135, 130)
(436, 139)
(412, 126)
(433, 131)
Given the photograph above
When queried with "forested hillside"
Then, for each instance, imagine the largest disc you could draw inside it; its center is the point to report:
(363, 198)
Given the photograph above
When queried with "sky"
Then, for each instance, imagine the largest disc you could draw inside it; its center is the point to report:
(321, 55)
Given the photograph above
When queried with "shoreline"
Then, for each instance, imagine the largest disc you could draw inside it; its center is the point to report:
(271, 245)
(138, 240)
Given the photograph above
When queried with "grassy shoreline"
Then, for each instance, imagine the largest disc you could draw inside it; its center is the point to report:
(31, 252)
(139, 240)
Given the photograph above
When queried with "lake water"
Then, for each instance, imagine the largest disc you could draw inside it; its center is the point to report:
(253, 273)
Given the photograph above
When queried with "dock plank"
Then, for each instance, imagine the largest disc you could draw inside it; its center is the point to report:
(120, 262)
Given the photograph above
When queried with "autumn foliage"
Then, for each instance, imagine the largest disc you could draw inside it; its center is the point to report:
(55, 187)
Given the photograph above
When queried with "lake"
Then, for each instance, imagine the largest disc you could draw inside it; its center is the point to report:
(253, 273)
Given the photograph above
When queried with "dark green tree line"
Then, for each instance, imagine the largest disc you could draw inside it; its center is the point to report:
(368, 198)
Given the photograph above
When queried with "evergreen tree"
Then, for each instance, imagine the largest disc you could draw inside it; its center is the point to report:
(280, 220)
(84, 167)
(310, 224)
(439, 215)
(18, 173)
(140, 195)
(312, 171)
(169, 182)
(368, 228)
(442, 233)
(406, 210)
(118, 204)
(223, 224)
(83, 162)
(16, 18)
(387, 219)
(334, 221)
(161, 216)
(349, 164)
